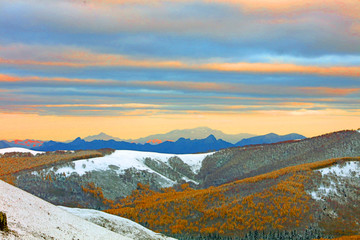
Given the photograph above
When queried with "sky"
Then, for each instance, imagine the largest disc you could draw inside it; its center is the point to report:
(131, 68)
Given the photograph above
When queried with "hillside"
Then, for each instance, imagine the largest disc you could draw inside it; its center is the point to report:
(116, 224)
(273, 188)
(289, 203)
(117, 174)
(241, 162)
(31, 218)
(13, 160)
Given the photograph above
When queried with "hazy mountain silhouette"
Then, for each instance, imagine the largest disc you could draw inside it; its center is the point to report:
(269, 138)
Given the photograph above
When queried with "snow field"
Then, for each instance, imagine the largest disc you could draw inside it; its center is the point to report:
(18, 149)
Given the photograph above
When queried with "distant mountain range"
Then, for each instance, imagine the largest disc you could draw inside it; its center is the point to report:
(28, 143)
(201, 139)
(194, 133)
(181, 146)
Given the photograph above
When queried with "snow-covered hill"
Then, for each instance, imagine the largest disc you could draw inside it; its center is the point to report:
(30, 217)
(117, 174)
(18, 149)
(121, 160)
(117, 224)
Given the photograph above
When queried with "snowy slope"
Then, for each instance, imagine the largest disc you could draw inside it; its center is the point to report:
(117, 224)
(30, 217)
(336, 176)
(125, 159)
(18, 149)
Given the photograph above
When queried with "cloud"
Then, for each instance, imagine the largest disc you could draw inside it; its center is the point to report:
(184, 86)
(81, 58)
(263, 26)
(330, 91)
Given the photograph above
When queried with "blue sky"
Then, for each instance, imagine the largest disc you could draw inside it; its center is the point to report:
(175, 64)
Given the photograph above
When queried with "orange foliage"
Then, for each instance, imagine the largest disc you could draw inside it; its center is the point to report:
(282, 205)
(97, 193)
(13, 163)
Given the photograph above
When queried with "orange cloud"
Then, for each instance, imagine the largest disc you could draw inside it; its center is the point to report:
(80, 59)
(282, 68)
(125, 105)
(345, 7)
(192, 86)
(330, 91)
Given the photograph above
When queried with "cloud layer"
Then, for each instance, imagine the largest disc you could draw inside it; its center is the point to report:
(171, 59)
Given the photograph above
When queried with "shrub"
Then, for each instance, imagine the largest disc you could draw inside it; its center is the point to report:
(3, 222)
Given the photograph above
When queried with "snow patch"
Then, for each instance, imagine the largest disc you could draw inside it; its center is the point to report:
(346, 170)
(116, 224)
(343, 171)
(18, 149)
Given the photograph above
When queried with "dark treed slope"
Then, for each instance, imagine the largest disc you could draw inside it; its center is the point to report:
(241, 162)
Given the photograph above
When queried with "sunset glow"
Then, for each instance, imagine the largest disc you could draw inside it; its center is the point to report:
(132, 68)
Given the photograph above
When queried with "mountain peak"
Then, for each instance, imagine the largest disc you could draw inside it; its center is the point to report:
(78, 140)
(271, 135)
(101, 136)
(211, 137)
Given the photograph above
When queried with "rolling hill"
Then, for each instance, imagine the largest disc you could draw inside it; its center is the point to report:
(242, 162)
(306, 201)
(30, 217)
(63, 176)
(119, 173)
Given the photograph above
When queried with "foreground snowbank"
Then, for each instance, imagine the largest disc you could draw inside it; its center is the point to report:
(116, 224)
(30, 217)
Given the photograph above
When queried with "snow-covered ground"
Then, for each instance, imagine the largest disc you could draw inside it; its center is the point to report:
(18, 149)
(347, 170)
(343, 171)
(125, 159)
(117, 224)
(30, 217)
